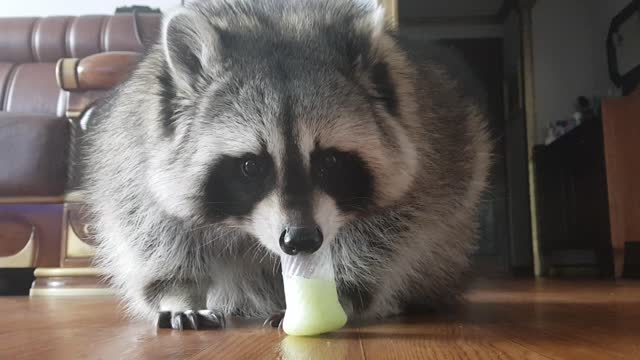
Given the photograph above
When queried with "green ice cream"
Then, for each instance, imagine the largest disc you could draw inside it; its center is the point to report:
(312, 306)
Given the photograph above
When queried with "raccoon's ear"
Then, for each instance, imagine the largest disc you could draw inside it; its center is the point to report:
(374, 65)
(190, 45)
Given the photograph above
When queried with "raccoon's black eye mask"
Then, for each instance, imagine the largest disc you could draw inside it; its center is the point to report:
(236, 184)
(344, 176)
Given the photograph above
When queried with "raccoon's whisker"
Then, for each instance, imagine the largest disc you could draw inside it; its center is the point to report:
(254, 254)
(209, 242)
(258, 250)
(255, 246)
(275, 266)
(206, 226)
(215, 239)
(266, 253)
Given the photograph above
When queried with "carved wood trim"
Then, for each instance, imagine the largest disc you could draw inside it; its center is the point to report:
(18, 242)
(66, 75)
(77, 247)
(14, 235)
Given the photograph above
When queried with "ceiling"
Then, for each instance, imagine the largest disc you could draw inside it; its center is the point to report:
(439, 9)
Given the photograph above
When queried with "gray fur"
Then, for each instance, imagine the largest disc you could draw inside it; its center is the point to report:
(429, 159)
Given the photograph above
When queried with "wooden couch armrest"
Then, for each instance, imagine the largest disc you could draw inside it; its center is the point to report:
(88, 79)
(101, 71)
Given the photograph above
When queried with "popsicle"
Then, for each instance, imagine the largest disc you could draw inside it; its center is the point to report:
(311, 295)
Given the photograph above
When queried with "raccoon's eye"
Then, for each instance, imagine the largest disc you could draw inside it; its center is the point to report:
(328, 162)
(252, 168)
(344, 176)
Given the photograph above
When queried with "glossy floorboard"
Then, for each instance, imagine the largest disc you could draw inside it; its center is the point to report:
(502, 320)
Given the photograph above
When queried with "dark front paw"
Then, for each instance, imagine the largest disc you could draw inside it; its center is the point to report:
(275, 320)
(191, 320)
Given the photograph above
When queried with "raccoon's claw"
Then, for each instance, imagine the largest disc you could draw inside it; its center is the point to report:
(275, 320)
(212, 319)
(191, 320)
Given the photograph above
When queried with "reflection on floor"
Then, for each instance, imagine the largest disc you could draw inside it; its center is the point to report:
(519, 319)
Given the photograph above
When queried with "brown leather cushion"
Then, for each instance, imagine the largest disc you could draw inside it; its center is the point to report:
(30, 48)
(15, 39)
(33, 154)
(32, 88)
(46, 39)
(84, 36)
(33, 148)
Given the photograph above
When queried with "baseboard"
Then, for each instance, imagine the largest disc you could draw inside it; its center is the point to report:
(69, 282)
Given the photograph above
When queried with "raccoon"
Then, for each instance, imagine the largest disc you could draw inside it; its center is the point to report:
(257, 128)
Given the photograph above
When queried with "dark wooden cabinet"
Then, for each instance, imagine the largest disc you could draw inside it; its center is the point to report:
(621, 119)
(572, 200)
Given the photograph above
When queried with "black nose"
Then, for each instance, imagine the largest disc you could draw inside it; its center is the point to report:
(300, 239)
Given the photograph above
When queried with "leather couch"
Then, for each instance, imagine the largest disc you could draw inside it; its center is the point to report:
(38, 108)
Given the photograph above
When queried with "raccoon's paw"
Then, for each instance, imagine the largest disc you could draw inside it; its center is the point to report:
(275, 320)
(191, 320)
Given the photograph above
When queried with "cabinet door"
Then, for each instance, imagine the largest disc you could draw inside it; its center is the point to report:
(552, 200)
(621, 121)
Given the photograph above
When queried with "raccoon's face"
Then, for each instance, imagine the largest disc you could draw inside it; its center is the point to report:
(263, 136)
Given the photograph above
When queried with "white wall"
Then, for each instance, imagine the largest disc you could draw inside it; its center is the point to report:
(569, 44)
(10, 8)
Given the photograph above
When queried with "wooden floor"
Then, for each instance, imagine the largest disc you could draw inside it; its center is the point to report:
(503, 320)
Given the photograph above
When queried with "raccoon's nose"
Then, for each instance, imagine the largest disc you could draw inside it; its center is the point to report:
(300, 239)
